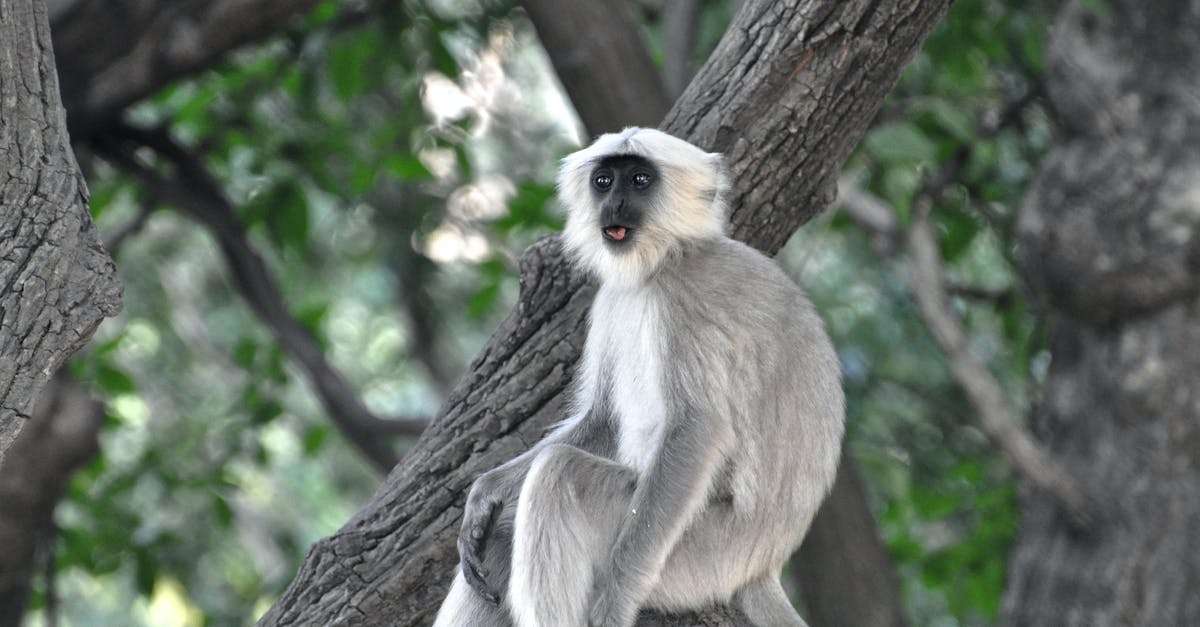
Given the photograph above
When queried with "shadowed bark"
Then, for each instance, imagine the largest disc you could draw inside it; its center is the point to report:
(61, 438)
(113, 53)
(1108, 241)
(788, 93)
(56, 281)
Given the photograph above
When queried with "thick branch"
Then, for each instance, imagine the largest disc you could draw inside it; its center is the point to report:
(639, 99)
(103, 73)
(62, 437)
(790, 77)
(56, 281)
(843, 570)
(192, 189)
(680, 19)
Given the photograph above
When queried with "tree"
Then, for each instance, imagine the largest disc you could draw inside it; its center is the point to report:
(56, 281)
(823, 67)
(1108, 249)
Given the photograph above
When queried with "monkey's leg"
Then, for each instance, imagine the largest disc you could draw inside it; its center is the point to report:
(568, 515)
(464, 607)
(767, 605)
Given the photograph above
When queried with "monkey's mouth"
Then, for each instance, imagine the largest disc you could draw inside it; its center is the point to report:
(616, 232)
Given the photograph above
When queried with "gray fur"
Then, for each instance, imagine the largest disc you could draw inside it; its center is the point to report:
(706, 431)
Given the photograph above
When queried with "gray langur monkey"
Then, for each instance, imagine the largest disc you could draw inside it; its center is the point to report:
(706, 424)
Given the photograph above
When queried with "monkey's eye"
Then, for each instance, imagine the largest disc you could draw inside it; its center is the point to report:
(602, 181)
(641, 179)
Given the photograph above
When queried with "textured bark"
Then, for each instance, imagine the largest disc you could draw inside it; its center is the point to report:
(113, 53)
(1109, 240)
(56, 281)
(844, 572)
(61, 438)
(788, 93)
(638, 99)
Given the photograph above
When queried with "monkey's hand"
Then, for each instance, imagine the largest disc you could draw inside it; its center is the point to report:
(612, 605)
(479, 515)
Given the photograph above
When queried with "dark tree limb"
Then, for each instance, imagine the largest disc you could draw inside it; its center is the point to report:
(680, 20)
(789, 92)
(56, 281)
(61, 438)
(113, 53)
(843, 569)
(192, 189)
(638, 99)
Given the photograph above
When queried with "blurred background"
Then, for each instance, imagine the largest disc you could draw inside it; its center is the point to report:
(317, 227)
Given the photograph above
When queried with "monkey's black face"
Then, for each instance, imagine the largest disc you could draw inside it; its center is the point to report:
(623, 186)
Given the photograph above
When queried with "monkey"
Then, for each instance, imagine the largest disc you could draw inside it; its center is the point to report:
(705, 427)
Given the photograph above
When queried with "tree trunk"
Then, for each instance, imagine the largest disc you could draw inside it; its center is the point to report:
(62, 437)
(1109, 240)
(787, 94)
(637, 99)
(56, 281)
(845, 574)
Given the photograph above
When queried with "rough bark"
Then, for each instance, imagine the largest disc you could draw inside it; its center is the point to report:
(1108, 237)
(56, 281)
(115, 52)
(844, 572)
(788, 93)
(61, 438)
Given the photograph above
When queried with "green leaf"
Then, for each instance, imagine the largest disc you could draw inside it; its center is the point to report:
(112, 380)
(314, 439)
(482, 301)
(244, 352)
(902, 142)
(145, 571)
(223, 511)
(287, 217)
(407, 167)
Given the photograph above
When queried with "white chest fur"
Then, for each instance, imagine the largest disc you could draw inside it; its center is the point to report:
(624, 350)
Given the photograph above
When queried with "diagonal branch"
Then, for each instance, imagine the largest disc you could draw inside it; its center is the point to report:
(996, 415)
(192, 189)
(928, 285)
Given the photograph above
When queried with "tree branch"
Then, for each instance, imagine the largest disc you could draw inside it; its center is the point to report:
(57, 283)
(999, 420)
(192, 189)
(103, 74)
(928, 285)
(62, 437)
(680, 20)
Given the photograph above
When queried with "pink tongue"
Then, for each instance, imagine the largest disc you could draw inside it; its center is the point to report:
(616, 232)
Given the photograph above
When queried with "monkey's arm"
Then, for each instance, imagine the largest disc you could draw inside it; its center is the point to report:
(487, 515)
(665, 500)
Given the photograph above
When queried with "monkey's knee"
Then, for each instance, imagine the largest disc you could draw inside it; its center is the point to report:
(562, 475)
(568, 515)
